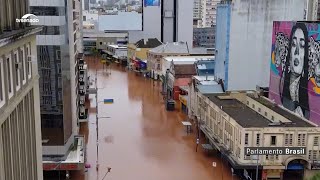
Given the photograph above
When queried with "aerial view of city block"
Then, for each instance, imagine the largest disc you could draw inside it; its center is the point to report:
(159, 90)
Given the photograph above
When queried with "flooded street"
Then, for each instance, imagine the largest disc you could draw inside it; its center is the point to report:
(141, 140)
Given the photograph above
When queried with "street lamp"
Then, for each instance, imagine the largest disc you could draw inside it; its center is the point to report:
(109, 169)
(97, 118)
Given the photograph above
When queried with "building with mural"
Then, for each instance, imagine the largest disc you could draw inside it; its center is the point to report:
(295, 68)
(243, 38)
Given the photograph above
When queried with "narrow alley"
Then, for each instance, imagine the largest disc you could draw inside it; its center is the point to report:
(141, 140)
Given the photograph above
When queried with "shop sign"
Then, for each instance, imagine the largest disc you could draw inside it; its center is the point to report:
(182, 100)
(60, 166)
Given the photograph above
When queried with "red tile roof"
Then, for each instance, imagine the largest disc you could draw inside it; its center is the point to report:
(182, 81)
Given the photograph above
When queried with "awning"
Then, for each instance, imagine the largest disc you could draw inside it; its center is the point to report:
(74, 160)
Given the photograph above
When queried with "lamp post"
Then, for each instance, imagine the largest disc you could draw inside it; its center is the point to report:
(97, 118)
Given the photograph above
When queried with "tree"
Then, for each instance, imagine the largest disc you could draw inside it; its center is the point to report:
(315, 177)
(95, 51)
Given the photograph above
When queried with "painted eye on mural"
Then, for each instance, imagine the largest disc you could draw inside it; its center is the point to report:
(294, 43)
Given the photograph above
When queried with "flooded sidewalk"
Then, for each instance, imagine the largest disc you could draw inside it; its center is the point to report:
(141, 140)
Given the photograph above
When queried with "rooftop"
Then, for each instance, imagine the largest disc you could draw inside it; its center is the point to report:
(187, 59)
(285, 113)
(245, 116)
(205, 78)
(10, 36)
(184, 69)
(148, 43)
(172, 48)
(117, 46)
(210, 88)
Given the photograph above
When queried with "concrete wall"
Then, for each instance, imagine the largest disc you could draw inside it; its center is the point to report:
(151, 25)
(222, 42)
(250, 39)
(168, 21)
(185, 21)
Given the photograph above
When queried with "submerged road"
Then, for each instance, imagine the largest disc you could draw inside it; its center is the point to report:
(141, 140)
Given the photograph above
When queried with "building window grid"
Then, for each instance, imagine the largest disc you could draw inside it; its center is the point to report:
(273, 140)
(301, 139)
(258, 140)
(316, 141)
(246, 139)
(288, 141)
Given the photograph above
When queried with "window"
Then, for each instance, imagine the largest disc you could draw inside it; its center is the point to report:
(258, 140)
(1, 85)
(273, 140)
(59, 68)
(259, 109)
(288, 139)
(17, 70)
(9, 68)
(29, 65)
(247, 157)
(301, 139)
(316, 141)
(23, 59)
(272, 118)
(246, 139)
(58, 54)
(309, 155)
(314, 154)
(265, 113)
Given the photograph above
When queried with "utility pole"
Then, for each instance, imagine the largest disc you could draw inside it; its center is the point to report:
(97, 126)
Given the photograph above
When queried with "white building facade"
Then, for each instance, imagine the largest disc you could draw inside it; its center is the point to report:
(58, 46)
(234, 121)
(20, 123)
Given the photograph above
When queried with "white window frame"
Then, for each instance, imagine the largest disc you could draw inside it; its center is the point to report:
(3, 101)
(16, 53)
(9, 56)
(29, 60)
(24, 59)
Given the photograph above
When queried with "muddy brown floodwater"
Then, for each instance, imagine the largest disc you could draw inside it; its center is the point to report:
(141, 140)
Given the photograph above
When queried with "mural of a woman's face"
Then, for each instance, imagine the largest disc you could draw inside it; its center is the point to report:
(297, 52)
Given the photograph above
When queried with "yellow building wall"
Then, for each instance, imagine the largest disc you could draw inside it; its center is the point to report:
(131, 51)
(141, 53)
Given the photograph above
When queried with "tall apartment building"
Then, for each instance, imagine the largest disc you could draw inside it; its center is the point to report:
(196, 12)
(204, 13)
(20, 138)
(59, 46)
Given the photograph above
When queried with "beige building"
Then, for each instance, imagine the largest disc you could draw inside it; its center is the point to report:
(155, 56)
(233, 121)
(20, 129)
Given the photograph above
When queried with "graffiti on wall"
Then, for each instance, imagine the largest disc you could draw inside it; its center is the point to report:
(295, 68)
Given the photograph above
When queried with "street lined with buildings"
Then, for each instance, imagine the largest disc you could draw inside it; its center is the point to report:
(142, 140)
